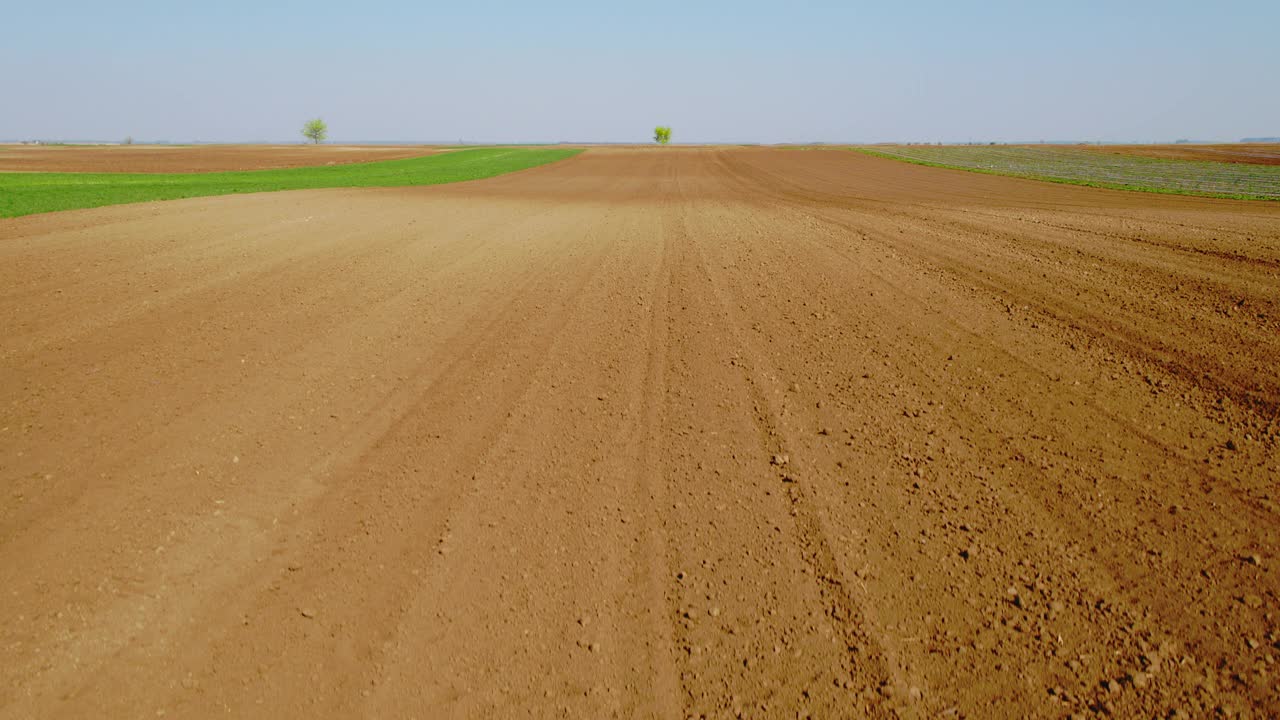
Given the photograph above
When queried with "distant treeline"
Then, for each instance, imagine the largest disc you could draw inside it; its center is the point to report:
(1265, 140)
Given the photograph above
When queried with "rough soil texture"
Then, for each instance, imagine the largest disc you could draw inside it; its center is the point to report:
(1251, 153)
(644, 434)
(191, 158)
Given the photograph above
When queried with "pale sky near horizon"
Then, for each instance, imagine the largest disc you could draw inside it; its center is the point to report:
(575, 70)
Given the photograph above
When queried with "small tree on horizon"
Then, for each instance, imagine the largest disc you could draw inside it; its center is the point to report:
(315, 131)
(662, 134)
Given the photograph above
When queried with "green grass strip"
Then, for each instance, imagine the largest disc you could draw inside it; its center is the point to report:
(1133, 186)
(30, 193)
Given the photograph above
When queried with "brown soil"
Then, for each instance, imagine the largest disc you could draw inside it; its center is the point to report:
(1251, 153)
(191, 158)
(644, 434)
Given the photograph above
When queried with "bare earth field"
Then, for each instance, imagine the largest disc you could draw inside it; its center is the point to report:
(644, 433)
(191, 158)
(1251, 153)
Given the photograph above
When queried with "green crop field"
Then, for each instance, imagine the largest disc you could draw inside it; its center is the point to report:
(1085, 167)
(29, 193)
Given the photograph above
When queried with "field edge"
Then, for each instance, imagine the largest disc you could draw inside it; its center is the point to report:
(1103, 185)
(36, 193)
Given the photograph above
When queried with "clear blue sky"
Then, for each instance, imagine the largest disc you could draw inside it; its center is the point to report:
(596, 71)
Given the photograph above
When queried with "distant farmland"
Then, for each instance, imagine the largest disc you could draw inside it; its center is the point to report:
(1250, 153)
(27, 193)
(1087, 167)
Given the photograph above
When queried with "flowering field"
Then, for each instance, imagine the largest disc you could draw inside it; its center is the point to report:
(1083, 167)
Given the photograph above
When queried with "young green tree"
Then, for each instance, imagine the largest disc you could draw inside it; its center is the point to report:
(315, 131)
(662, 134)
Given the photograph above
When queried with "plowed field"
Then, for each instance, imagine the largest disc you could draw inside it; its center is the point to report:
(644, 433)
